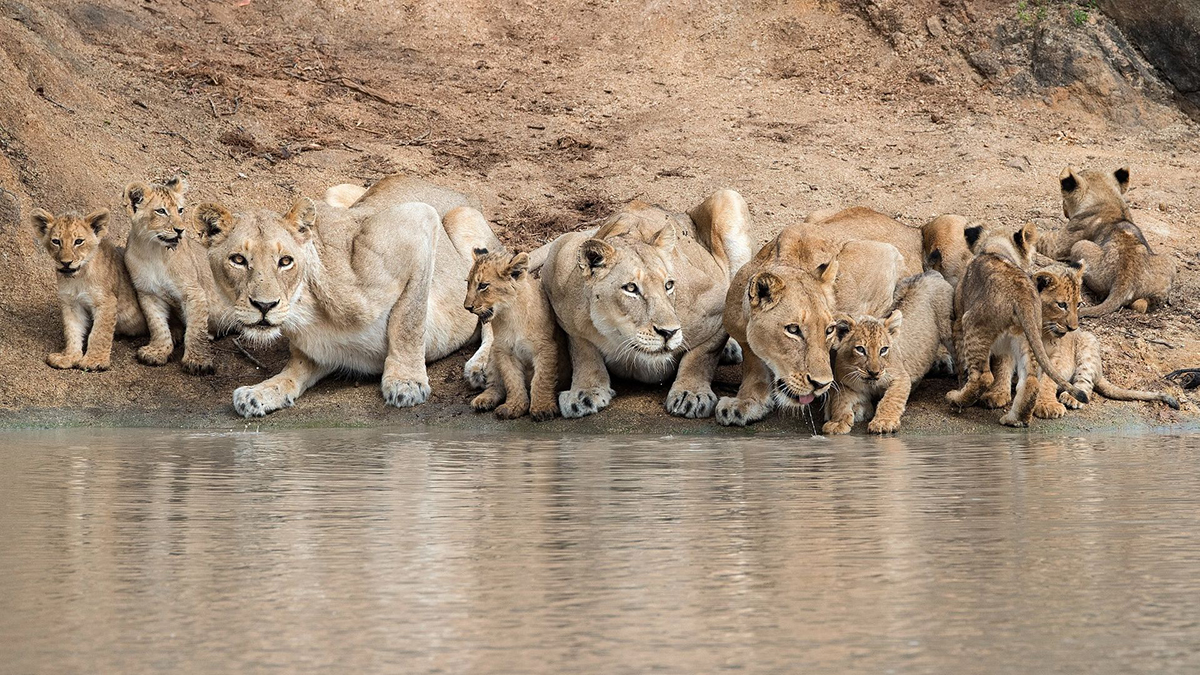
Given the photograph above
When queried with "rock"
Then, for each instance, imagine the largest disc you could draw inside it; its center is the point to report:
(987, 63)
(1168, 34)
(934, 25)
(954, 25)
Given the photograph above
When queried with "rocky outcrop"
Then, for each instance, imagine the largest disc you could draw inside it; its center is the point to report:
(1167, 32)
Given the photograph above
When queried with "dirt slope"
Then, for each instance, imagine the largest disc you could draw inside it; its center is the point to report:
(553, 113)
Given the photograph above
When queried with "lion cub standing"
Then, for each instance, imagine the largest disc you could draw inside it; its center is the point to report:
(92, 286)
(528, 345)
(170, 271)
(883, 359)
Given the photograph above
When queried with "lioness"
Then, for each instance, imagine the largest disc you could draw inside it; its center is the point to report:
(998, 309)
(528, 346)
(168, 269)
(373, 288)
(643, 296)
(863, 224)
(883, 359)
(1122, 268)
(93, 285)
(780, 309)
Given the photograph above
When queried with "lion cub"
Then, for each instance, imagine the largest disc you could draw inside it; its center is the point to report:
(998, 309)
(883, 359)
(528, 345)
(170, 271)
(92, 286)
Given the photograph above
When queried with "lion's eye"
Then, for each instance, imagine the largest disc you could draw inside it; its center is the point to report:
(630, 288)
(161, 212)
(1062, 305)
(883, 350)
(670, 286)
(829, 330)
(483, 286)
(238, 259)
(286, 261)
(181, 209)
(861, 350)
(56, 242)
(78, 242)
(792, 329)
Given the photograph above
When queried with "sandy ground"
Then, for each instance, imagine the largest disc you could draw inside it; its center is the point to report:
(553, 114)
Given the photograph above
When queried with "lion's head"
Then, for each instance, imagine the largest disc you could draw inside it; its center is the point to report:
(71, 240)
(1089, 190)
(788, 328)
(632, 290)
(156, 210)
(864, 347)
(1058, 287)
(259, 262)
(494, 281)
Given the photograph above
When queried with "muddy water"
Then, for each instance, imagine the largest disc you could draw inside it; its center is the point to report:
(352, 551)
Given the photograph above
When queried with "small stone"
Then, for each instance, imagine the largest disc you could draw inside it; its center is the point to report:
(953, 25)
(936, 118)
(934, 25)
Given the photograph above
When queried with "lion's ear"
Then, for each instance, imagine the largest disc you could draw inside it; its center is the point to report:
(1079, 268)
(98, 221)
(135, 195)
(1042, 280)
(595, 254)
(301, 217)
(838, 330)
(972, 235)
(935, 257)
(892, 322)
(1122, 176)
(477, 253)
(664, 241)
(765, 289)
(1026, 238)
(176, 184)
(214, 223)
(1068, 180)
(41, 220)
(518, 265)
(827, 273)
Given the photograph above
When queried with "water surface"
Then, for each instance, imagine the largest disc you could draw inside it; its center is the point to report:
(352, 551)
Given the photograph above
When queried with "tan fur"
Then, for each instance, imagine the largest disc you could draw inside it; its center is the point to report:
(884, 359)
(528, 346)
(93, 287)
(1122, 268)
(863, 224)
(643, 296)
(374, 288)
(998, 309)
(166, 264)
(944, 247)
(780, 308)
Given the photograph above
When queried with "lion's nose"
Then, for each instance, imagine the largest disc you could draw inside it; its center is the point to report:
(179, 230)
(666, 333)
(469, 308)
(871, 374)
(818, 384)
(264, 307)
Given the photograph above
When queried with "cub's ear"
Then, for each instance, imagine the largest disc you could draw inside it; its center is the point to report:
(935, 257)
(176, 184)
(213, 223)
(1068, 179)
(518, 265)
(893, 321)
(301, 217)
(973, 235)
(1042, 280)
(764, 289)
(98, 221)
(135, 195)
(1026, 238)
(838, 330)
(827, 273)
(1080, 267)
(595, 254)
(478, 253)
(664, 241)
(1122, 176)
(41, 220)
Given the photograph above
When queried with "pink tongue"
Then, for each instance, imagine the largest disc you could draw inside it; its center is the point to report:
(805, 400)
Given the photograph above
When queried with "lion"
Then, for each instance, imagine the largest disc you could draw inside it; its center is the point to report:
(374, 288)
(528, 345)
(884, 359)
(864, 224)
(643, 295)
(999, 311)
(780, 308)
(167, 266)
(945, 246)
(1122, 268)
(93, 287)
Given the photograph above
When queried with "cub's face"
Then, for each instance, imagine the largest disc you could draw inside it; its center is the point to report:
(864, 347)
(70, 240)
(494, 282)
(1085, 190)
(788, 328)
(157, 211)
(632, 290)
(258, 261)
(1058, 287)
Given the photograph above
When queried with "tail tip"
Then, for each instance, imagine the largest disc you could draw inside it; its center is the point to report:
(1171, 401)
(1080, 395)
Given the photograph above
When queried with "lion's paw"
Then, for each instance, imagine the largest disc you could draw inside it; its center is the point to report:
(486, 401)
(738, 412)
(475, 371)
(1048, 410)
(732, 353)
(62, 360)
(94, 364)
(153, 355)
(511, 411)
(691, 404)
(258, 401)
(404, 393)
(883, 426)
(835, 428)
(197, 366)
(583, 402)
(1011, 420)
(1069, 401)
(997, 398)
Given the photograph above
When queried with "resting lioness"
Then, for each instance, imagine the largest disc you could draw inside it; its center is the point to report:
(93, 286)
(780, 309)
(168, 269)
(374, 288)
(998, 310)
(1122, 268)
(863, 224)
(528, 346)
(883, 359)
(643, 296)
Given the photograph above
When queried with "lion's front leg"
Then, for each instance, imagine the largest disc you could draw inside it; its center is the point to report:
(691, 394)
(280, 391)
(591, 389)
(753, 400)
(405, 382)
(476, 369)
